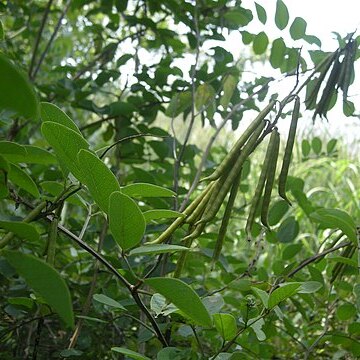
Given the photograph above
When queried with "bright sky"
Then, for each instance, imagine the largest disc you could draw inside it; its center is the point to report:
(322, 17)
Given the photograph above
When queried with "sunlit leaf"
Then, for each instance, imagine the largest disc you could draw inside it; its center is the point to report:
(157, 249)
(103, 299)
(161, 214)
(225, 324)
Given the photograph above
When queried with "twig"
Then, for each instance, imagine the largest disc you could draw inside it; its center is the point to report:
(53, 35)
(316, 257)
(38, 37)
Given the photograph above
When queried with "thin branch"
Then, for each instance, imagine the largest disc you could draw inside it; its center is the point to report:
(53, 35)
(316, 257)
(38, 37)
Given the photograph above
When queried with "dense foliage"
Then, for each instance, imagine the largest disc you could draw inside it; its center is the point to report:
(127, 231)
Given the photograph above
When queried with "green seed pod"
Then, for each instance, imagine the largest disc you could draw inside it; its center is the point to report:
(230, 158)
(260, 186)
(270, 177)
(288, 151)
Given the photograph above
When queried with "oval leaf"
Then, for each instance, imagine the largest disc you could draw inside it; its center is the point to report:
(278, 51)
(45, 280)
(281, 15)
(260, 43)
(22, 179)
(50, 112)
(261, 13)
(336, 219)
(298, 28)
(157, 249)
(309, 287)
(126, 222)
(8, 147)
(189, 302)
(226, 325)
(282, 293)
(21, 229)
(66, 144)
(17, 93)
(98, 178)
(146, 190)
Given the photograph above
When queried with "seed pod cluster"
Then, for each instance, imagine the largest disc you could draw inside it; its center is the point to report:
(341, 75)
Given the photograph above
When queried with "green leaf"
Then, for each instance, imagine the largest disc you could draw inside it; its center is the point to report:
(225, 324)
(282, 293)
(17, 93)
(103, 299)
(288, 230)
(309, 287)
(2, 35)
(261, 13)
(171, 353)
(189, 302)
(330, 146)
(281, 15)
(336, 219)
(131, 354)
(204, 96)
(311, 39)
(348, 108)
(260, 43)
(98, 178)
(238, 17)
(21, 229)
(229, 85)
(126, 222)
(298, 28)
(277, 212)
(32, 155)
(66, 144)
(161, 214)
(291, 250)
(263, 295)
(278, 51)
(179, 103)
(50, 112)
(157, 249)
(356, 291)
(8, 147)
(305, 148)
(316, 145)
(21, 178)
(146, 190)
(45, 280)
(346, 312)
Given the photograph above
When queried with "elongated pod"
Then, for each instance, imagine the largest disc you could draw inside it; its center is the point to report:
(180, 220)
(225, 219)
(235, 151)
(270, 177)
(260, 185)
(197, 212)
(224, 184)
(288, 151)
